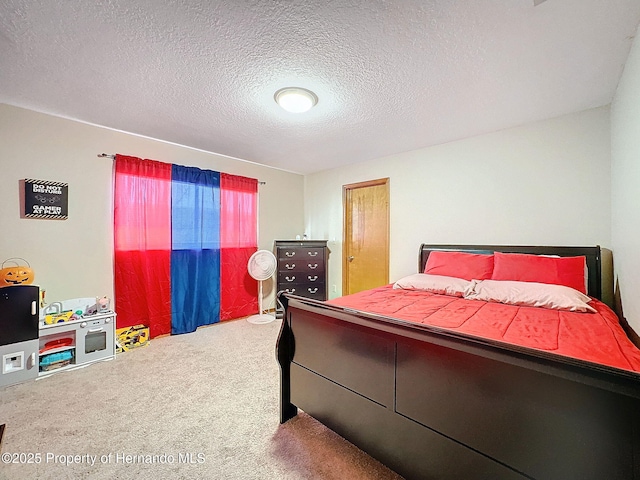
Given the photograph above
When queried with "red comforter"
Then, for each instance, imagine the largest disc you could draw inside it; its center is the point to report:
(594, 337)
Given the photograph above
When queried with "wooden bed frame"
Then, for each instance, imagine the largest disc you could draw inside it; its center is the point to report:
(436, 404)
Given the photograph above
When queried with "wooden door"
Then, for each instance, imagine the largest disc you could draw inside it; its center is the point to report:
(366, 236)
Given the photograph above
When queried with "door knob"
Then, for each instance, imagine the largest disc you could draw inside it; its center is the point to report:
(351, 257)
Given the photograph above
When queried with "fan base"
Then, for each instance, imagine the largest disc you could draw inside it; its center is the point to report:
(260, 319)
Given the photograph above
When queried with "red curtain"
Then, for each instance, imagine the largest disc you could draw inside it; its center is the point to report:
(142, 228)
(238, 241)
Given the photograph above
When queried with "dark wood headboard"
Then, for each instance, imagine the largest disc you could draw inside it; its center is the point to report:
(592, 255)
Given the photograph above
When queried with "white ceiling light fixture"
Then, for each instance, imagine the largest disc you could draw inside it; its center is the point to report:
(295, 99)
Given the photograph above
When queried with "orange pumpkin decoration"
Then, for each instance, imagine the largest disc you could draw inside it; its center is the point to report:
(17, 275)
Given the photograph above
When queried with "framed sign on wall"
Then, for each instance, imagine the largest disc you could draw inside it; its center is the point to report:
(44, 199)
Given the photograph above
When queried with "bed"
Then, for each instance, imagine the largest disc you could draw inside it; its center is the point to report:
(436, 402)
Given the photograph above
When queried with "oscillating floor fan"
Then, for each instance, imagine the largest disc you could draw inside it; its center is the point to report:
(261, 266)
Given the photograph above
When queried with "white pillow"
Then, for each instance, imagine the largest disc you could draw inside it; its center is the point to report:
(529, 294)
(434, 283)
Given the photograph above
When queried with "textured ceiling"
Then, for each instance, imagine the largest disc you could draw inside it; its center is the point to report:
(391, 75)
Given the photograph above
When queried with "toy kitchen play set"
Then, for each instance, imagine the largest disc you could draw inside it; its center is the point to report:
(75, 333)
(64, 335)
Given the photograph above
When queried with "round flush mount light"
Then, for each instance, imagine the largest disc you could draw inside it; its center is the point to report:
(295, 99)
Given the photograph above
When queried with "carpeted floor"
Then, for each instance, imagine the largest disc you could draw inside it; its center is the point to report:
(197, 406)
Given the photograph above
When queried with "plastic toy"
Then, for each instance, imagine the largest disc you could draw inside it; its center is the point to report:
(102, 304)
(58, 317)
(55, 360)
(131, 337)
(60, 342)
(16, 275)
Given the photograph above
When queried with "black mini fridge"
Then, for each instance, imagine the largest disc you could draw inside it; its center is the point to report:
(19, 332)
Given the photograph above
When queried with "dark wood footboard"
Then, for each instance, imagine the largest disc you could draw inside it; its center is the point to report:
(441, 405)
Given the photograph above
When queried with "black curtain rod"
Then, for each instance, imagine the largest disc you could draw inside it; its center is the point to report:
(113, 157)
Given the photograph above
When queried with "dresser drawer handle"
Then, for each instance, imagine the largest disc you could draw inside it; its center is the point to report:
(312, 267)
(312, 290)
(313, 254)
(312, 278)
(290, 267)
(292, 290)
(290, 279)
(290, 254)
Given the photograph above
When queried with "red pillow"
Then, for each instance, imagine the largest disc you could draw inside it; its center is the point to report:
(470, 266)
(567, 271)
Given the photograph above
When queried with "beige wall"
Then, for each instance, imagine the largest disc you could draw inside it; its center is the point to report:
(546, 183)
(625, 189)
(73, 258)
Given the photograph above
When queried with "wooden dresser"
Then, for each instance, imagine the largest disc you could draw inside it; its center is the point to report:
(302, 268)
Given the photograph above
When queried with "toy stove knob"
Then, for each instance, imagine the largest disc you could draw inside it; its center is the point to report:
(83, 324)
